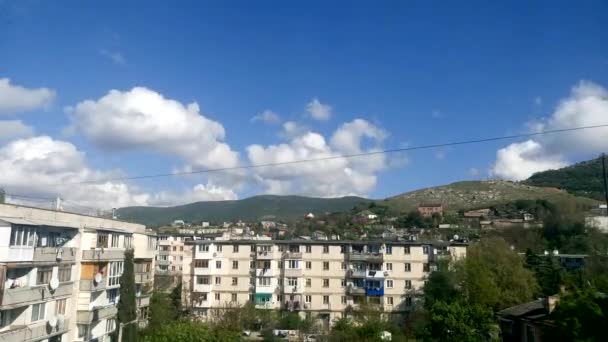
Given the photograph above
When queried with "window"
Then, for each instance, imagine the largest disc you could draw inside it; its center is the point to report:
(22, 236)
(181, 248)
(235, 265)
(406, 250)
(308, 282)
(218, 248)
(203, 248)
(408, 267)
(293, 264)
(181, 258)
(46, 239)
(234, 297)
(44, 275)
(113, 296)
(408, 284)
(172, 268)
(203, 297)
(308, 249)
(389, 284)
(202, 280)
(264, 281)
(280, 298)
(389, 266)
(325, 282)
(425, 267)
(307, 299)
(343, 282)
(252, 264)
(218, 280)
(110, 325)
(235, 281)
(425, 249)
(292, 281)
(325, 299)
(281, 248)
(174, 248)
(128, 241)
(280, 264)
(201, 263)
(408, 300)
(114, 240)
(38, 312)
(218, 264)
(325, 249)
(64, 273)
(217, 296)
(308, 265)
(83, 330)
(343, 266)
(389, 249)
(235, 248)
(5, 318)
(389, 300)
(325, 265)
(102, 240)
(151, 242)
(342, 249)
(116, 268)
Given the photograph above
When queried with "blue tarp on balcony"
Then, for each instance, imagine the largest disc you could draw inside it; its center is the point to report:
(374, 291)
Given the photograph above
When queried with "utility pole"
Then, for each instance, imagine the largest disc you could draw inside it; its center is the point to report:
(605, 181)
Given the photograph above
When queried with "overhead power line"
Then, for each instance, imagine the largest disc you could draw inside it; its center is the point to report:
(347, 156)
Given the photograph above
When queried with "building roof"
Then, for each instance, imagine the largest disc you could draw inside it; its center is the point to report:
(329, 242)
(533, 308)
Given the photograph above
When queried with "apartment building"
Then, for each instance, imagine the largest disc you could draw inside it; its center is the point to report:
(61, 273)
(145, 255)
(173, 260)
(324, 278)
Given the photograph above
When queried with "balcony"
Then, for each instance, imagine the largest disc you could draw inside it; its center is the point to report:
(355, 291)
(21, 296)
(292, 289)
(90, 285)
(374, 291)
(292, 272)
(143, 300)
(264, 289)
(98, 313)
(264, 272)
(54, 254)
(143, 277)
(265, 255)
(164, 252)
(202, 304)
(36, 331)
(355, 273)
(293, 305)
(369, 257)
(204, 271)
(292, 255)
(161, 262)
(205, 288)
(266, 305)
(103, 254)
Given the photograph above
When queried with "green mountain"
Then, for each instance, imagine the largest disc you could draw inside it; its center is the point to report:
(248, 209)
(479, 194)
(582, 179)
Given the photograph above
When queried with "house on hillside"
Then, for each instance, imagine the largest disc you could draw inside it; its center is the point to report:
(427, 210)
(526, 322)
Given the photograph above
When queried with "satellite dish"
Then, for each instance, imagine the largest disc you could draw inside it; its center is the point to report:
(54, 283)
(98, 277)
(53, 322)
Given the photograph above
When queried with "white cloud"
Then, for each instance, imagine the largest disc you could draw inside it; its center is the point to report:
(318, 110)
(587, 105)
(142, 118)
(11, 129)
(200, 192)
(267, 116)
(42, 165)
(115, 56)
(327, 178)
(15, 98)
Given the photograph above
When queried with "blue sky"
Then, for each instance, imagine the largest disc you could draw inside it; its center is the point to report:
(420, 72)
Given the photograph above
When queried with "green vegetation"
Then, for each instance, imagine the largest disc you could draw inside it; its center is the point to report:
(582, 179)
(127, 310)
(248, 209)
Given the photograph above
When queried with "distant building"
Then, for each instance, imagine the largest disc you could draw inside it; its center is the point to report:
(478, 213)
(310, 216)
(427, 210)
(526, 322)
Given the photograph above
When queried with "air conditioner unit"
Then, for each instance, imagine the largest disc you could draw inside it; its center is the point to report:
(306, 306)
(386, 273)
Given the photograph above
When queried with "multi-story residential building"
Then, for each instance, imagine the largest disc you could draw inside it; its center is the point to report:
(145, 255)
(324, 278)
(173, 260)
(61, 274)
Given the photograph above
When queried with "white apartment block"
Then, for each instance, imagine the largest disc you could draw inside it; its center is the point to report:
(173, 261)
(61, 274)
(324, 278)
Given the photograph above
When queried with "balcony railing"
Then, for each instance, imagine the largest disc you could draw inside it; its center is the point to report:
(355, 273)
(36, 331)
(91, 286)
(264, 272)
(54, 254)
(265, 255)
(98, 313)
(292, 255)
(374, 291)
(143, 277)
(21, 296)
(103, 254)
(292, 272)
(355, 291)
(162, 262)
(369, 257)
(143, 300)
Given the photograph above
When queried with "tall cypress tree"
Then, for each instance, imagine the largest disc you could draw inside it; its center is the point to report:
(127, 310)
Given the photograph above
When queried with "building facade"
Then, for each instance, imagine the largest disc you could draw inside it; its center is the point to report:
(61, 273)
(324, 278)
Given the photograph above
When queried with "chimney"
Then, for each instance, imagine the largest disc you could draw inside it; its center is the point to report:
(550, 303)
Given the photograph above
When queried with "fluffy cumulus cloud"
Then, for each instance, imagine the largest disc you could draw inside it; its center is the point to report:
(15, 98)
(587, 105)
(267, 116)
(143, 118)
(200, 192)
(11, 129)
(318, 110)
(329, 175)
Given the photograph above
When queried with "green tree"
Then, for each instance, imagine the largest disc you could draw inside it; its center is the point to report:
(548, 271)
(188, 331)
(441, 286)
(176, 297)
(580, 316)
(162, 310)
(127, 310)
(460, 322)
